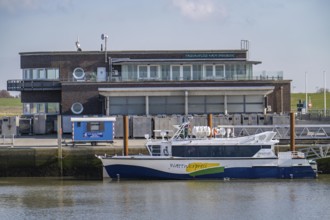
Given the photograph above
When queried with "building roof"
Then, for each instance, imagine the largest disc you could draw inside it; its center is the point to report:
(127, 52)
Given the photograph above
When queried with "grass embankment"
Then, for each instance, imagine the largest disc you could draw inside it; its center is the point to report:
(317, 100)
(10, 106)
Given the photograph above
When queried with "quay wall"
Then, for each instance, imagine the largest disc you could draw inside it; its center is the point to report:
(77, 163)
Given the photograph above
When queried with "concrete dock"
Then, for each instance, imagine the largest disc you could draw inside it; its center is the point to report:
(37, 141)
(39, 156)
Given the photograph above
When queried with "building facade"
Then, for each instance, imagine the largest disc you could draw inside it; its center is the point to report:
(147, 83)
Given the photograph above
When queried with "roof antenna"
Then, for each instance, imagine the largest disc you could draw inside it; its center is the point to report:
(105, 38)
(78, 44)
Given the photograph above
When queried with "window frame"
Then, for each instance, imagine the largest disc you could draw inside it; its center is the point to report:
(214, 72)
(181, 72)
(148, 72)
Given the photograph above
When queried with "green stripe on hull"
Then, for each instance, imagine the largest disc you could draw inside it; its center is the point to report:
(212, 170)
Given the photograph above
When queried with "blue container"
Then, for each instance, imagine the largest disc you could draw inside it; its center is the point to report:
(93, 130)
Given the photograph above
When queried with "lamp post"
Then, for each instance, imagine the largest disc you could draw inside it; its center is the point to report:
(105, 38)
(325, 94)
(306, 103)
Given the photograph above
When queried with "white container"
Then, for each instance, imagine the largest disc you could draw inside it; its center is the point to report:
(101, 74)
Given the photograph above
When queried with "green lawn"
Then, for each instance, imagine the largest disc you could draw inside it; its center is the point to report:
(10, 106)
(316, 98)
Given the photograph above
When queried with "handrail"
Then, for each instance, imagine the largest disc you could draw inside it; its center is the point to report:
(27, 85)
(307, 131)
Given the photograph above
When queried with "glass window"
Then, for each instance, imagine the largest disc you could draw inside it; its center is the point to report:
(129, 72)
(208, 71)
(41, 74)
(153, 72)
(187, 72)
(53, 108)
(26, 108)
(27, 73)
(52, 74)
(175, 73)
(95, 126)
(124, 72)
(219, 71)
(35, 73)
(197, 72)
(33, 108)
(143, 72)
(165, 72)
(41, 107)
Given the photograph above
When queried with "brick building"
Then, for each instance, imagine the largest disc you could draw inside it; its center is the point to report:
(147, 83)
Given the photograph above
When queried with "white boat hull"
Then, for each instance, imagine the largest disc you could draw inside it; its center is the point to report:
(149, 167)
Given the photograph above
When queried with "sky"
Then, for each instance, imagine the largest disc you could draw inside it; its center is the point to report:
(292, 36)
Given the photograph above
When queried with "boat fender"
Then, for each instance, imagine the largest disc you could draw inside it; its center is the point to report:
(215, 131)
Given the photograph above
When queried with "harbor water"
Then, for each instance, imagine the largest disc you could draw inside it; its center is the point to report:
(46, 198)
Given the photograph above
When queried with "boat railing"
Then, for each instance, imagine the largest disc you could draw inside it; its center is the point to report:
(182, 131)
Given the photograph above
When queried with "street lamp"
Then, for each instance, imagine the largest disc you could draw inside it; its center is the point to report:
(325, 94)
(306, 103)
(105, 38)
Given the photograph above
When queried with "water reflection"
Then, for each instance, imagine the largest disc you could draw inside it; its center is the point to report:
(31, 198)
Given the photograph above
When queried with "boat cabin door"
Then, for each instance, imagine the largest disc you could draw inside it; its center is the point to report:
(165, 149)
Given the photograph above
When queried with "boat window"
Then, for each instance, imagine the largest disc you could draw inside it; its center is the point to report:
(155, 150)
(178, 151)
(216, 151)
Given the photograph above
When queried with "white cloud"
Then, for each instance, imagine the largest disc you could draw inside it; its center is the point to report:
(198, 9)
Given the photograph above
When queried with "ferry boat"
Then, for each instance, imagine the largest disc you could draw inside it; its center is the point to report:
(193, 154)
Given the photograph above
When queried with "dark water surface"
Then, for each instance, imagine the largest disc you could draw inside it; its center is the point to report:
(44, 198)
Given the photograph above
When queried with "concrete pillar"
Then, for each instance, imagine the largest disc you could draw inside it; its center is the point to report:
(107, 106)
(210, 123)
(147, 105)
(186, 103)
(225, 105)
(292, 132)
(282, 100)
(125, 122)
